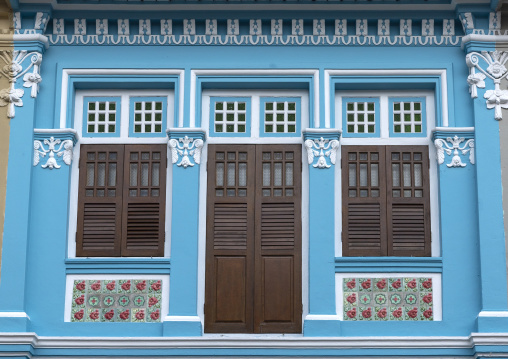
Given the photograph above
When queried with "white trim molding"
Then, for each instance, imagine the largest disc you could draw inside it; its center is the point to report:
(14, 315)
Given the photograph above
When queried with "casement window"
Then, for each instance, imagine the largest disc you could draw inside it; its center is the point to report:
(386, 201)
(120, 177)
(253, 246)
(121, 201)
(255, 113)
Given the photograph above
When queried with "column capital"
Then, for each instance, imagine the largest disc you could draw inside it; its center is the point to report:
(454, 141)
(321, 144)
(186, 145)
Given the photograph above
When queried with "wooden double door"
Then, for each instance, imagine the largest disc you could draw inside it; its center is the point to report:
(253, 246)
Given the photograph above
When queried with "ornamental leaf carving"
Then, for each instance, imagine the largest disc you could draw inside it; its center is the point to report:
(321, 149)
(64, 150)
(454, 147)
(183, 148)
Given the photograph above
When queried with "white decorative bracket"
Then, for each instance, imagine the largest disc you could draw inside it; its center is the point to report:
(184, 147)
(12, 70)
(322, 145)
(64, 150)
(495, 70)
(454, 147)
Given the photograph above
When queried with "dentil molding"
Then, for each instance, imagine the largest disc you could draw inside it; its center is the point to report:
(491, 64)
(13, 69)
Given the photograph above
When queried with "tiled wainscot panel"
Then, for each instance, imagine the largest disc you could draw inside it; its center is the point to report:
(391, 297)
(127, 299)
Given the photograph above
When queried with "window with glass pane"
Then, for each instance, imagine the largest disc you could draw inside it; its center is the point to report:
(280, 116)
(407, 116)
(360, 117)
(386, 201)
(101, 116)
(147, 116)
(230, 116)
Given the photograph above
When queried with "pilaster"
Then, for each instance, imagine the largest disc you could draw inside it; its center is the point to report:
(185, 146)
(322, 146)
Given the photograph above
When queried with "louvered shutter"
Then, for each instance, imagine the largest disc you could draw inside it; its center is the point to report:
(100, 201)
(408, 201)
(230, 234)
(144, 194)
(364, 201)
(278, 239)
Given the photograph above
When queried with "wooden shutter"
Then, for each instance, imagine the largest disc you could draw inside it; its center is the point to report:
(100, 201)
(408, 201)
(278, 239)
(144, 197)
(364, 201)
(230, 239)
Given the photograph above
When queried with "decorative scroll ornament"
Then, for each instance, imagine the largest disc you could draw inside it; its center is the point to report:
(321, 148)
(12, 70)
(496, 70)
(186, 147)
(442, 146)
(64, 151)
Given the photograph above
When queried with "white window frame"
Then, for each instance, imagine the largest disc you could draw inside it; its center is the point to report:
(122, 139)
(255, 120)
(384, 139)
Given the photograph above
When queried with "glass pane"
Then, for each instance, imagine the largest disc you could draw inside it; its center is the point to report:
(289, 174)
(407, 193)
(363, 174)
(352, 156)
(242, 156)
(219, 193)
(231, 156)
(155, 174)
(374, 193)
(374, 174)
(396, 193)
(417, 156)
(231, 193)
(266, 174)
(102, 156)
(406, 168)
(156, 155)
(144, 193)
(90, 174)
(133, 192)
(133, 174)
(266, 193)
(418, 174)
(289, 155)
(231, 174)
(112, 174)
(242, 193)
(219, 174)
(406, 157)
(91, 156)
(145, 155)
(364, 193)
(134, 156)
(242, 174)
(111, 193)
(100, 193)
(277, 156)
(144, 174)
(112, 156)
(352, 193)
(289, 192)
(89, 193)
(277, 174)
(374, 156)
(396, 175)
(352, 175)
(395, 156)
(277, 192)
(363, 156)
(266, 156)
(219, 156)
(155, 193)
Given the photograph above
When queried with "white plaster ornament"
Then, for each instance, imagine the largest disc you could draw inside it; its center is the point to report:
(321, 148)
(184, 148)
(12, 70)
(496, 70)
(442, 146)
(64, 151)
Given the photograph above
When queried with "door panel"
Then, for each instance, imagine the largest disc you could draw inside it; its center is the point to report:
(253, 259)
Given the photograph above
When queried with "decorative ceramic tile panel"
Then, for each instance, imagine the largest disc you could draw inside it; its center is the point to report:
(388, 298)
(116, 300)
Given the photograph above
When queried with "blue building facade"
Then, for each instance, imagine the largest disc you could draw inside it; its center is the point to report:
(268, 179)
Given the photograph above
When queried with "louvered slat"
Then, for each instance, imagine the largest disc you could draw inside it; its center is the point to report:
(277, 226)
(143, 226)
(364, 227)
(408, 227)
(230, 226)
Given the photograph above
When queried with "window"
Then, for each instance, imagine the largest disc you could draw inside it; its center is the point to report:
(386, 208)
(255, 114)
(120, 178)
(385, 173)
(121, 201)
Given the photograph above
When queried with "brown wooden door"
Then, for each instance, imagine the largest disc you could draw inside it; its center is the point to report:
(253, 254)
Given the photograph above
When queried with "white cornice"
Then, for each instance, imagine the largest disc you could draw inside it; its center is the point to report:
(31, 37)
